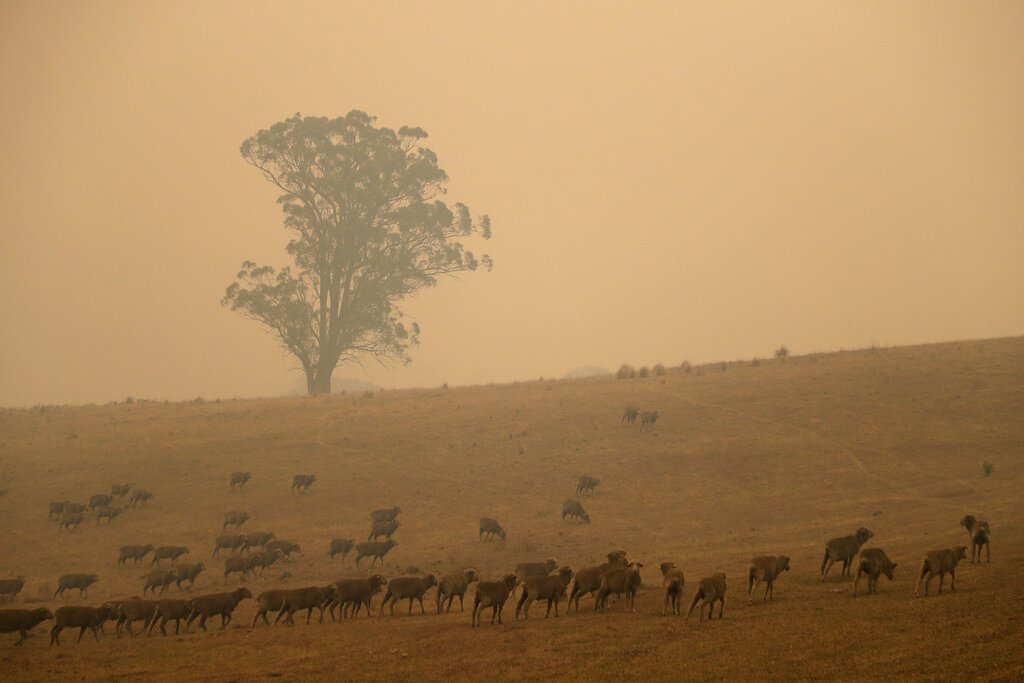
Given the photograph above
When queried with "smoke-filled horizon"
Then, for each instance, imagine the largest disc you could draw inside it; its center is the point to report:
(666, 182)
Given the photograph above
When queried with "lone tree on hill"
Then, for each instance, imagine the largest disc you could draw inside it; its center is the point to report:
(367, 230)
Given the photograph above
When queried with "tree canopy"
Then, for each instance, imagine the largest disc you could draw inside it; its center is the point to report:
(368, 229)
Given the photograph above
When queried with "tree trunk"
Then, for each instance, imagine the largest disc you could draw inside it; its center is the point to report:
(320, 383)
(310, 381)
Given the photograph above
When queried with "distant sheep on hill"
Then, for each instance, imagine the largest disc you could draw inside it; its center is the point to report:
(240, 478)
(235, 518)
(342, 546)
(79, 581)
(587, 484)
(302, 482)
(385, 515)
(573, 509)
(385, 529)
(140, 496)
(630, 415)
(649, 417)
(375, 549)
(489, 528)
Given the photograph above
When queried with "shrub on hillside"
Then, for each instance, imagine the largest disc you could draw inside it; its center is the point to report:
(988, 467)
(659, 370)
(626, 371)
(781, 352)
(643, 372)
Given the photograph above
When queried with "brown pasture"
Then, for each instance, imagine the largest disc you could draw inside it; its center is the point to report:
(767, 458)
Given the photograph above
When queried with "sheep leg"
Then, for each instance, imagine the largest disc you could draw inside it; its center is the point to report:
(721, 606)
(422, 612)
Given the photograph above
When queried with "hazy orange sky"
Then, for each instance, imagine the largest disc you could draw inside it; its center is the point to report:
(667, 181)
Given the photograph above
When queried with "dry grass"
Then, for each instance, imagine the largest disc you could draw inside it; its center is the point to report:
(774, 458)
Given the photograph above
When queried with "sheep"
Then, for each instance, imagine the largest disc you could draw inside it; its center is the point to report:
(263, 559)
(940, 562)
(302, 482)
(491, 528)
(356, 593)
(573, 509)
(242, 565)
(120, 490)
(133, 610)
(79, 581)
(649, 417)
(224, 604)
(844, 549)
(385, 515)
(873, 562)
(168, 552)
(524, 570)
(100, 500)
(673, 582)
(980, 535)
(140, 496)
(230, 541)
(188, 572)
(630, 414)
(619, 581)
(236, 518)
(308, 598)
(134, 553)
(240, 478)
(167, 610)
(407, 587)
(257, 539)
(158, 577)
(454, 584)
(375, 549)
(22, 620)
(588, 579)
(550, 588)
(765, 568)
(342, 546)
(586, 483)
(268, 601)
(71, 520)
(711, 589)
(57, 509)
(492, 594)
(70, 616)
(286, 548)
(106, 511)
(72, 508)
(9, 588)
(385, 529)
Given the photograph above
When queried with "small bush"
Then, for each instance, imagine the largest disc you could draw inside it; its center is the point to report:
(643, 372)
(659, 370)
(626, 371)
(725, 366)
(781, 352)
(687, 368)
(988, 467)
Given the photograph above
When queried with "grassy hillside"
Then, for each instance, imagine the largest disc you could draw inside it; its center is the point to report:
(747, 459)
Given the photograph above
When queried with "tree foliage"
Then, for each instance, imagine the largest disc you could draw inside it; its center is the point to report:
(367, 230)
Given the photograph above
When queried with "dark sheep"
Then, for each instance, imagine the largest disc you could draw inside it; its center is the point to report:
(587, 484)
(309, 598)
(268, 601)
(588, 579)
(980, 534)
(235, 518)
(257, 539)
(109, 512)
(550, 588)
(57, 509)
(140, 496)
(120, 490)
(224, 604)
(453, 585)
(492, 594)
(188, 572)
(674, 581)
(375, 549)
(263, 560)
(240, 478)
(79, 581)
(167, 610)
(844, 549)
(355, 593)
(302, 482)
(939, 563)
(100, 500)
(22, 620)
(710, 590)
(385, 529)
(230, 541)
(630, 414)
(490, 528)
(407, 587)
(71, 616)
(765, 568)
(286, 548)
(9, 588)
(158, 577)
(72, 508)
(168, 552)
(619, 581)
(573, 509)
(134, 552)
(242, 565)
(649, 417)
(385, 515)
(71, 520)
(135, 609)
(342, 546)
(873, 562)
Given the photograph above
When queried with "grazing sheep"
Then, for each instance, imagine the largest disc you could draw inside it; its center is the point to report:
(491, 528)
(573, 509)
(135, 609)
(71, 520)
(106, 511)
(9, 588)
(158, 577)
(240, 478)
(309, 598)
(711, 589)
(167, 610)
(649, 418)
(407, 587)
(940, 562)
(70, 616)
(550, 588)
(257, 539)
(844, 549)
(120, 490)
(630, 414)
(168, 552)
(492, 594)
(100, 500)
(452, 585)
(79, 581)
(342, 546)
(355, 593)
(588, 579)
(980, 535)
(235, 518)
(873, 562)
(385, 515)
(134, 552)
(302, 482)
(375, 549)
(188, 572)
(22, 620)
(673, 582)
(268, 601)
(587, 483)
(140, 496)
(230, 541)
(619, 581)
(57, 509)
(286, 548)
(385, 529)
(224, 604)
(765, 568)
